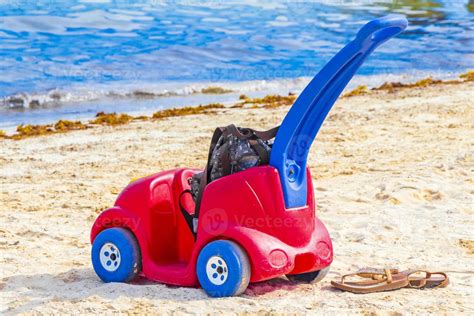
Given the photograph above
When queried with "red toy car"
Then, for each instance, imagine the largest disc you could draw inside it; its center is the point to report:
(253, 225)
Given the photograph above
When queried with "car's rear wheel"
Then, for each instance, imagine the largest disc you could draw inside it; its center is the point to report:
(223, 269)
(116, 255)
(309, 277)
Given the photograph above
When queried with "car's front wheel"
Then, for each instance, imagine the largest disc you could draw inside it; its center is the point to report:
(309, 277)
(116, 255)
(223, 269)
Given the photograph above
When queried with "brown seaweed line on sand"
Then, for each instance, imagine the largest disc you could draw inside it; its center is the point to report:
(269, 101)
(394, 86)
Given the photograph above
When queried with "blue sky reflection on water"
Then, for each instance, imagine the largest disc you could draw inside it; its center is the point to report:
(96, 45)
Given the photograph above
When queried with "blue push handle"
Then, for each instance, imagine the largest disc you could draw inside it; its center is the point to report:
(303, 121)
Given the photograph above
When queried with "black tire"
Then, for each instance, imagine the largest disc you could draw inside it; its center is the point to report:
(308, 277)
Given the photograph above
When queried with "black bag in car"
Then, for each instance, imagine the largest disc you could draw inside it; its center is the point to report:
(232, 149)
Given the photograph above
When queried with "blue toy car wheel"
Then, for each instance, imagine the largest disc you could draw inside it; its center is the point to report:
(223, 269)
(116, 255)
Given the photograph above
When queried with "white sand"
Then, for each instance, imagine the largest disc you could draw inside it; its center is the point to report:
(393, 182)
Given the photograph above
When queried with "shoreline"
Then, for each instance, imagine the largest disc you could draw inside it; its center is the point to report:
(127, 91)
(269, 101)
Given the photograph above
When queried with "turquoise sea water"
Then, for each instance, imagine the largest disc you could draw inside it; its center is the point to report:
(74, 58)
